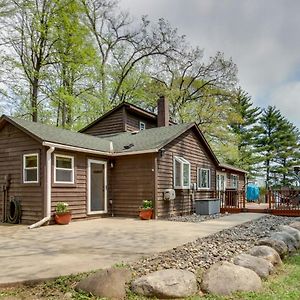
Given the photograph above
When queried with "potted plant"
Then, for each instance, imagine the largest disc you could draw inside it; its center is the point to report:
(146, 211)
(62, 214)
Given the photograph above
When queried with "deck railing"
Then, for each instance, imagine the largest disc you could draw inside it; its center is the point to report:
(232, 199)
(284, 199)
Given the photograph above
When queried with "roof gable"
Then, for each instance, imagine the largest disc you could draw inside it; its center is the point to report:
(124, 105)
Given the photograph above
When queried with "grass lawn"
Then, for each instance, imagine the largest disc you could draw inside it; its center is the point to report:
(285, 284)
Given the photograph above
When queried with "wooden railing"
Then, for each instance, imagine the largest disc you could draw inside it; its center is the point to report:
(284, 199)
(228, 198)
(232, 199)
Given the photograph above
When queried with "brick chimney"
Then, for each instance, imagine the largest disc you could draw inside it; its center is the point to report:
(162, 112)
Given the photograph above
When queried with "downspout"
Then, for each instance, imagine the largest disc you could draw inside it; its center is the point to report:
(48, 191)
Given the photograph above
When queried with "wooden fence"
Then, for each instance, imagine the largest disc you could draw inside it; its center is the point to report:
(285, 202)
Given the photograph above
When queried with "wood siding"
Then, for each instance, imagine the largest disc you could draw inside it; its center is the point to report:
(13, 144)
(133, 122)
(113, 123)
(189, 147)
(131, 181)
(241, 179)
(76, 195)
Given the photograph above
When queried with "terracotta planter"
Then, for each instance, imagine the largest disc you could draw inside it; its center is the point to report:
(146, 214)
(63, 218)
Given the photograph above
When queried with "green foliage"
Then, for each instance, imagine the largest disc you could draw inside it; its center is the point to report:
(147, 204)
(243, 129)
(62, 207)
(277, 144)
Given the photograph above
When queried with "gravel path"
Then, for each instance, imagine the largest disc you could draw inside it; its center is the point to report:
(204, 252)
(196, 218)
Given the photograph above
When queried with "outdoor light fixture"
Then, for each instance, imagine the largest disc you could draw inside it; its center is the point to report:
(162, 152)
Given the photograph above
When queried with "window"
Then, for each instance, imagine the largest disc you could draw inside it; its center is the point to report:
(63, 169)
(203, 178)
(234, 181)
(182, 173)
(31, 168)
(221, 182)
(142, 126)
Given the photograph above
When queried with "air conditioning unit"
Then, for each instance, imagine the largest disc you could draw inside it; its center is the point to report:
(169, 194)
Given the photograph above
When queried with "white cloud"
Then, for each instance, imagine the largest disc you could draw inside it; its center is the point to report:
(260, 36)
(287, 99)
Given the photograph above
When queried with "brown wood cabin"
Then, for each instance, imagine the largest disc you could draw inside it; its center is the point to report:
(109, 167)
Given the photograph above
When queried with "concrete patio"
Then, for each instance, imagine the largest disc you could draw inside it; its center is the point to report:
(52, 251)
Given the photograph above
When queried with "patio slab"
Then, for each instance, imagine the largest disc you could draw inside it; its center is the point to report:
(51, 251)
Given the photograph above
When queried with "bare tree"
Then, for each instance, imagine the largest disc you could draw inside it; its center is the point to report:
(123, 45)
(29, 36)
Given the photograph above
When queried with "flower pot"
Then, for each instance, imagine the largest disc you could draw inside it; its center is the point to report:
(146, 214)
(63, 218)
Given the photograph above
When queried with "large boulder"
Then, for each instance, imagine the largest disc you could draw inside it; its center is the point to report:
(166, 284)
(109, 283)
(267, 253)
(292, 231)
(225, 278)
(285, 237)
(295, 225)
(262, 267)
(281, 248)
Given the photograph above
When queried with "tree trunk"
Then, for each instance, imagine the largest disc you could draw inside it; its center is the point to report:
(34, 97)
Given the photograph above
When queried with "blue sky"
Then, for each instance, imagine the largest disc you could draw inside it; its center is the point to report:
(261, 36)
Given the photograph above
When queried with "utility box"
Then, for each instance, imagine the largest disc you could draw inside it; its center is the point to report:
(207, 206)
(169, 194)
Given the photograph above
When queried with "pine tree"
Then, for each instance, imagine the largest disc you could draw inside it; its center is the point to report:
(287, 156)
(276, 142)
(243, 128)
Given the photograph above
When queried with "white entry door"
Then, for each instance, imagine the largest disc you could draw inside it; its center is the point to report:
(97, 181)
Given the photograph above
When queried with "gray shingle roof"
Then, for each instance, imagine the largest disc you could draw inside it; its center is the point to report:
(57, 135)
(149, 139)
(146, 140)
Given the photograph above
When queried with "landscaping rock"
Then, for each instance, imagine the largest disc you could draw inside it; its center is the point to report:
(110, 283)
(292, 231)
(166, 284)
(204, 252)
(288, 239)
(295, 225)
(225, 278)
(262, 267)
(267, 253)
(281, 248)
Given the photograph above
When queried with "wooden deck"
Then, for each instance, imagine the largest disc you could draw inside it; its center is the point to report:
(279, 202)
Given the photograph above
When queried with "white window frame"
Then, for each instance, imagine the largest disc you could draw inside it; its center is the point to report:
(104, 163)
(237, 181)
(225, 180)
(142, 125)
(199, 172)
(31, 168)
(65, 169)
(182, 162)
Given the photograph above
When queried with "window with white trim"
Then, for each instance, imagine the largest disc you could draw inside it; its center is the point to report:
(203, 178)
(234, 181)
(31, 168)
(63, 169)
(142, 126)
(181, 173)
(221, 182)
